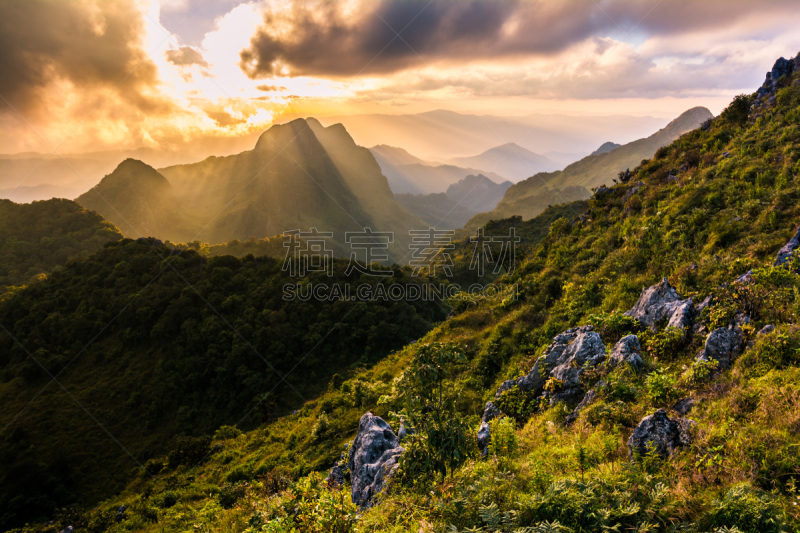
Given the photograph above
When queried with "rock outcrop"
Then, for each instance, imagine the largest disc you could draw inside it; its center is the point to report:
(785, 253)
(562, 364)
(372, 459)
(587, 400)
(661, 301)
(490, 412)
(660, 433)
(682, 407)
(782, 67)
(627, 350)
(723, 345)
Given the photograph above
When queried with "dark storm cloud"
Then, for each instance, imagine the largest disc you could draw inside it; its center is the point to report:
(186, 55)
(322, 39)
(90, 44)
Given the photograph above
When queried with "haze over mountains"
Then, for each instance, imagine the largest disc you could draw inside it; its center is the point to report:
(442, 135)
(299, 175)
(510, 160)
(454, 207)
(530, 197)
(408, 174)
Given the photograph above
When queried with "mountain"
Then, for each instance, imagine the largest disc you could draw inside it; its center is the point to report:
(395, 156)
(140, 202)
(437, 210)
(462, 200)
(408, 174)
(529, 197)
(478, 192)
(509, 160)
(440, 135)
(300, 175)
(600, 416)
(606, 147)
(37, 238)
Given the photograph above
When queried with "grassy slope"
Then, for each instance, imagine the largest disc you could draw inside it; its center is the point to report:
(735, 202)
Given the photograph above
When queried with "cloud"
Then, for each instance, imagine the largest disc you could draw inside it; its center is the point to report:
(90, 44)
(270, 88)
(186, 56)
(340, 39)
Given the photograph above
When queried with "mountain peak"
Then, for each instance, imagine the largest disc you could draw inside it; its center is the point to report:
(606, 147)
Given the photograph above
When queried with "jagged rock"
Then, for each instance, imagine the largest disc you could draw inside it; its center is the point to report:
(336, 476)
(601, 190)
(745, 278)
(633, 190)
(722, 345)
(769, 328)
(661, 433)
(372, 459)
(741, 319)
(563, 360)
(785, 253)
(490, 412)
(682, 407)
(683, 315)
(702, 305)
(587, 399)
(120, 513)
(627, 350)
(782, 67)
(68, 529)
(662, 301)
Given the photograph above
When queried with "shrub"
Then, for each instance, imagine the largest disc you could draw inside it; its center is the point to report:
(227, 432)
(504, 437)
(230, 493)
(660, 386)
(749, 510)
(776, 350)
(188, 451)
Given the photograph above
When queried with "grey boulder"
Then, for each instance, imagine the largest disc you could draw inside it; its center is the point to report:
(627, 350)
(662, 301)
(722, 345)
(372, 459)
(490, 412)
(564, 360)
(660, 433)
(785, 253)
(587, 400)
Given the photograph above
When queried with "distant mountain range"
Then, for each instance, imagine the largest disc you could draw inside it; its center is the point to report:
(455, 207)
(441, 135)
(408, 174)
(299, 175)
(606, 147)
(510, 160)
(530, 197)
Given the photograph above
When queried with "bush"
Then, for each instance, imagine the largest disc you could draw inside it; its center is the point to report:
(227, 432)
(660, 386)
(230, 493)
(748, 510)
(188, 451)
(504, 437)
(774, 351)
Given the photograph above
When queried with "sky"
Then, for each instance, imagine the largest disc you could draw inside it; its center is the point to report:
(210, 75)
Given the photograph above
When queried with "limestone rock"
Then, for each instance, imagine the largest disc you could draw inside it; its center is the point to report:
(336, 476)
(372, 459)
(564, 361)
(660, 432)
(785, 253)
(662, 301)
(682, 407)
(766, 330)
(627, 350)
(722, 345)
(587, 399)
(490, 412)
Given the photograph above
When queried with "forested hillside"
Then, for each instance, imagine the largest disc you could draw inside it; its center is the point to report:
(682, 284)
(156, 343)
(35, 238)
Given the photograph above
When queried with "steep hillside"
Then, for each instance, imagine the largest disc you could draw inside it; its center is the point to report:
(687, 393)
(39, 237)
(527, 197)
(509, 160)
(141, 203)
